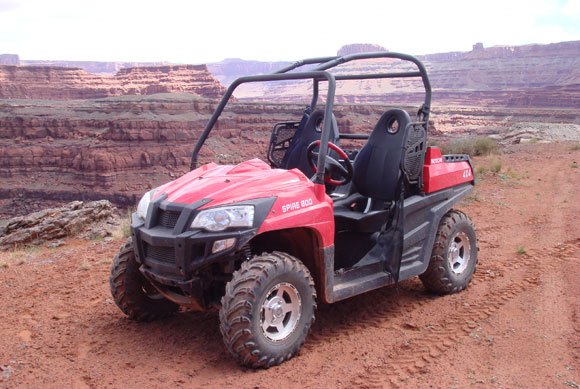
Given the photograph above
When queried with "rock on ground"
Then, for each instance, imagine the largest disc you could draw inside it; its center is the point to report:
(95, 219)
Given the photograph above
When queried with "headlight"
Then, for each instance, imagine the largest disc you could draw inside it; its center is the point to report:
(144, 204)
(218, 219)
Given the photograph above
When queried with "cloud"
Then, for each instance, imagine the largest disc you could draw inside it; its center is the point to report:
(196, 32)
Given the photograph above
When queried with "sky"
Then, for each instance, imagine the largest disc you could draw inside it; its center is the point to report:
(181, 31)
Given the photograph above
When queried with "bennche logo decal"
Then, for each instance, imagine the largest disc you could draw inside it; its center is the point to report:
(296, 205)
(467, 173)
(436, 160)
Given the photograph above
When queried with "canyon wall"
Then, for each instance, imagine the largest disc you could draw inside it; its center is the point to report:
(91, 66)
(67, 134)
(356, 48)
(59, 83)
(118, 147)
(518, 76)
(115, 148)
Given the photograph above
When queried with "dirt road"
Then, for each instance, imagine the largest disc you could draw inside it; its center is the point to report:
(517, 325)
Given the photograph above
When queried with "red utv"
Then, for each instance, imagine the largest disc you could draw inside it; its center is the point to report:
(265, 242)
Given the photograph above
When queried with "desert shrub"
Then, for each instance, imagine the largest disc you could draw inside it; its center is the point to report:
(495, 166)
(481, 170)
(124, 230)
(472, 146)
(126, 225)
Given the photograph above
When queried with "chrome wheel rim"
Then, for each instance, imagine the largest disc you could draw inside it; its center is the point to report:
(280, 312)
(459, 253)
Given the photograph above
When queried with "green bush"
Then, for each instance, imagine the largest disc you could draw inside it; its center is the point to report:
(472, 146)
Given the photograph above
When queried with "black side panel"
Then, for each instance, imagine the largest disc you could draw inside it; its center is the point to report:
(422, 216)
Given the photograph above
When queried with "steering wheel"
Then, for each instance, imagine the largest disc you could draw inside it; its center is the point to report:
(332, 167)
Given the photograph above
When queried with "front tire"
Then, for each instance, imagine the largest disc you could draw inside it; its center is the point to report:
(454, 255)
(267, 310)
(132, 293)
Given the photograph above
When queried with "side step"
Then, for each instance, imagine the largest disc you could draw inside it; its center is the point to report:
(358, 280)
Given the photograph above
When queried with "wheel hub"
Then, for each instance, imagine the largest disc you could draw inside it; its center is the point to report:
(280, 312)
(459, 253)
(275, 307)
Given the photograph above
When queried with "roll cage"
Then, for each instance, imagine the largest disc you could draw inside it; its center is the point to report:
(319, 73)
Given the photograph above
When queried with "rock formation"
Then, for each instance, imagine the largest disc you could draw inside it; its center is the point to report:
(91, 66)
(98, 147)
(116, 148)
(49, 82)
(357, 48)
(54, 223)
(518, 76)
(119, 147)
(229, 69)
(9, 59)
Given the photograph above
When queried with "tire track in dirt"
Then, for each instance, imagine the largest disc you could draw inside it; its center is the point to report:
(344, 318)
(427, 349)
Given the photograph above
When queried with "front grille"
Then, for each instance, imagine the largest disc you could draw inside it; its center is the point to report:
(167, 219)
(159, 253)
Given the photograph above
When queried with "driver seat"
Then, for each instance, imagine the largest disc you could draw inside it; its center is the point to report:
(377, 171)
(296, 155)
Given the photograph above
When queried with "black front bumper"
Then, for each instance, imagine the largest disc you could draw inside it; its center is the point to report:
(180, 256)
(173, 257)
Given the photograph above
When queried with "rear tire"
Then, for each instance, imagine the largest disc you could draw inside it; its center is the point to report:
(133, 294)
(454, 255)
(267, 310)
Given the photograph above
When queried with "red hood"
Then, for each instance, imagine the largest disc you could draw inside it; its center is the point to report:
(226, 184)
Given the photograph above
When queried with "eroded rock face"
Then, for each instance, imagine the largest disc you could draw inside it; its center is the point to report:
(55, 223)
(356, 48)
(9, 59)
(58, 83)
(515, 76)
(117, 148)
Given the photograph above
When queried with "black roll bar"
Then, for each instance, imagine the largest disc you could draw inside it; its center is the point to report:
(315, 75)
(320, 73)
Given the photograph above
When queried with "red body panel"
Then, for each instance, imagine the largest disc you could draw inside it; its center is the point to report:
(299, 202)
(438, 174)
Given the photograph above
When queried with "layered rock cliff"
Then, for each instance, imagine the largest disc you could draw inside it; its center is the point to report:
(525, 76)
(115, 148)
(90, 66)
(49, 82)
(356, 48)
(229, 69)
(118, 147)
(66, 138)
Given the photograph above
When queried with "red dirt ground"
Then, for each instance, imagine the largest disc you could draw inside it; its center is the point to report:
(517, 325)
